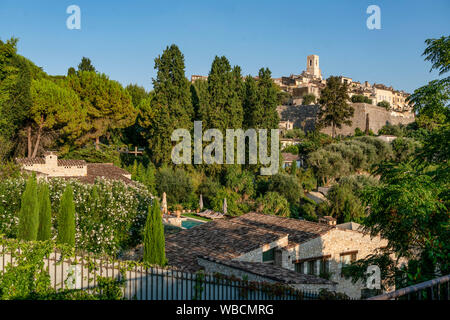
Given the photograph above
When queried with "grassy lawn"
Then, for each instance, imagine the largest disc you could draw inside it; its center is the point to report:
(194, 216)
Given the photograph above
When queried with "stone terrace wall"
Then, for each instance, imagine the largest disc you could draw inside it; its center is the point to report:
(304, 116)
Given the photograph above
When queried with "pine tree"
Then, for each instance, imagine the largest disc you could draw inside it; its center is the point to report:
(45, 213)
(86, 65)
(29, 211)
(154, 242)
(66, 218)
(334, 108)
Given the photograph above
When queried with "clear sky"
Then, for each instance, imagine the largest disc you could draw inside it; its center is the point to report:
(122, 38)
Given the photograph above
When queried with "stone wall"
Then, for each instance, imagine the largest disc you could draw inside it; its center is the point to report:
(334, 243)
(213, 267)
(53, 170)
(304, 116)
(257, 254)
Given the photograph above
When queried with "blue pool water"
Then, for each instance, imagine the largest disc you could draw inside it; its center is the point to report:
(190, 223)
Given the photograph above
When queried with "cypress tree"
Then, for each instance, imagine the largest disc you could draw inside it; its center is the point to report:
(294, 168)
(29, 211)
(171, 105)
(45, 213)
(225, 92)
(154, 242)
(66, 218)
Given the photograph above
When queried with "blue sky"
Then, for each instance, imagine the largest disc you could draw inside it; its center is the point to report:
(122, 38)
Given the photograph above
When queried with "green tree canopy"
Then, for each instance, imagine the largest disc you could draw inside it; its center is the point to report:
(86, 65)
(171, 108)
(334, 108)
(107, 103)
(55, 108)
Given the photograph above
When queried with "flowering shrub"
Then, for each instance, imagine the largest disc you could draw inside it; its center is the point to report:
(107, 220)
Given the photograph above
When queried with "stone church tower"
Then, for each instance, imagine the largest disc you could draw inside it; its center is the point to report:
(312, 66)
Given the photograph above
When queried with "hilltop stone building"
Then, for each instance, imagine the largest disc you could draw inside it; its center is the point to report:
(50, 166)
(311, 82)
(303, 254)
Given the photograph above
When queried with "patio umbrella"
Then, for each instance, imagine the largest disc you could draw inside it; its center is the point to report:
(200, 203)
(224, 206)
(164, 203)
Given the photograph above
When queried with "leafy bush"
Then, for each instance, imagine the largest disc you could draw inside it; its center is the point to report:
(176, 183)
(404, 148)
(307, 209)
(234, 207)
(328, 165)
(359, 98)
(309, 99)
(287, 186)
(307, 179)
(359, 132)
(384, 104)
(392, 130)
(105, 224)
(29, 278)
(208, 189)
(273, 203)
(294, 133)
(240, 181)
(293, 149)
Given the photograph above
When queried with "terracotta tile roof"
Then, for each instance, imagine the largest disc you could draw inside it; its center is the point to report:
(289, 157)
(271, 271)
(104, 170)
(70, 163)
(220, 239)
(61, 162)
(29, 162)
(299, 231)
(228, 239)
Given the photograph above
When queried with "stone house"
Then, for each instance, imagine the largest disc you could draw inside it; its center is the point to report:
(50, 166)
(289, 158)
(307, 255)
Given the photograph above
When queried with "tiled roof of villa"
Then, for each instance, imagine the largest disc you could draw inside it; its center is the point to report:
(289, 157)
(220, 239)
(104, 170)
(61, 162)
(299, 231)
(228, 239)
(271, 271)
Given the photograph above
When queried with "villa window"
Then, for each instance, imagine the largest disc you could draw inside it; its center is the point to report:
(269, 255)
(347, 258)
(324, 266)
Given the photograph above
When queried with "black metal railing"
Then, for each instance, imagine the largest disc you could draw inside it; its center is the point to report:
(155, 283)
(436, 289)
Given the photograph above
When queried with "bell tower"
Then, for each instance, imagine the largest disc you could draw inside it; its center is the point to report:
(312, 66)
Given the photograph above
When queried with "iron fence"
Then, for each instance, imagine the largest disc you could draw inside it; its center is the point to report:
(157, 283)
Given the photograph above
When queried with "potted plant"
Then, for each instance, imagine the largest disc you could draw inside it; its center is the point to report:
(178, 209)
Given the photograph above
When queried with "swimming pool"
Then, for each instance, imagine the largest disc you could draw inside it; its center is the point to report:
(190, 223)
